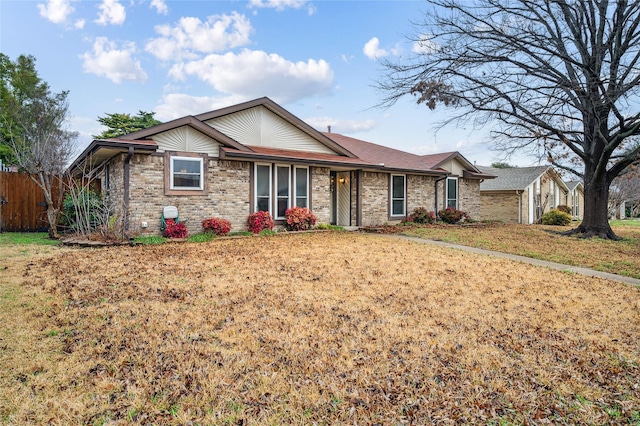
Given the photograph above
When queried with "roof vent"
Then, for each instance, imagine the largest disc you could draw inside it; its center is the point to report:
(329, 129)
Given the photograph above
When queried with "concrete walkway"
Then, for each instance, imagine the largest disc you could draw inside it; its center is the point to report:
(551, 265)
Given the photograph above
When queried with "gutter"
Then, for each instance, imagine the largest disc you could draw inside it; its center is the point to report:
(435, 190)
(126, 187)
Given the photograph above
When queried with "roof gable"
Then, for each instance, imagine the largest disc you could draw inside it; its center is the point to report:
(516, 178)
(271, 118)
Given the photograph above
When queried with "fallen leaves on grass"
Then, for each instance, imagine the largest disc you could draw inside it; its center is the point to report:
(326, 327)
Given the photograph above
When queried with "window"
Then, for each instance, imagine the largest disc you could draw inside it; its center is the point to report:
(398, 195)
(263, 187)
(301, 185)
(282, 185)
(452, 193)
(289, 184)
(552, 196)
(186, 173)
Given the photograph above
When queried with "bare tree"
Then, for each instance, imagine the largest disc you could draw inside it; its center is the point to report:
(624, 188)
(43, 146)
(558, 78)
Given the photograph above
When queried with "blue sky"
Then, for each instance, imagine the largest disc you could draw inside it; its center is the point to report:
(318, 59)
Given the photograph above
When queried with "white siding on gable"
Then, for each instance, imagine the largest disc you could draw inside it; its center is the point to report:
(260, 127)
(454, 167)
(186, 139)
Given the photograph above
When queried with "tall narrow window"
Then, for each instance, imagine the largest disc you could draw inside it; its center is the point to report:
(552, 196)
(301, 186)
(186, 173)
(263, 188)
(452, 193)
(398, 195)
(282, 185)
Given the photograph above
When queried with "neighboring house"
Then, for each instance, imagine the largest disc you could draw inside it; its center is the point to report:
(575, 199)
(255, 156)
(521, 194)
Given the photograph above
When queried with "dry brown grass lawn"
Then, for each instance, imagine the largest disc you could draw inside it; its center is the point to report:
(312, 328)
(545, 242)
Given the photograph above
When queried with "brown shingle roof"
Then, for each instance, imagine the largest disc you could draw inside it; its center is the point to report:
(260, 152)
(381, 155)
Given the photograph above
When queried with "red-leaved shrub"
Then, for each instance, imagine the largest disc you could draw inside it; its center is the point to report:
(299, 219)
(421, 215)
(452, 215)
(216, 226)
(175, 230)
(260, 221)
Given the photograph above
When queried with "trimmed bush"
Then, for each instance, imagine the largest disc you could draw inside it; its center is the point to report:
(259, 221)
(216, 226)
(556, 217)
(175, 230)
(452, 216)
(564, 208)
(421, 215)
(299, 219)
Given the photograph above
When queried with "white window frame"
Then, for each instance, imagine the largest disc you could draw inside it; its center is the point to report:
(295, 186)
(404, 197)
(255, 186)
(277, 197)
(446, 193)
(552, 195)
(172, 172)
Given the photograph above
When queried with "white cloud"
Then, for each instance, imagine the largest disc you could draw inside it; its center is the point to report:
(340, 126)
(160, 6)
(424, 45)
(79, 24)
(56, 11)
(255, 73)
(191, 36)
(281, 5)
(176, 105)
(111, 12)
(107, 60)
(372, 49)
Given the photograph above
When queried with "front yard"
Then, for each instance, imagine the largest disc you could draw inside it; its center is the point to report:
(310, 329)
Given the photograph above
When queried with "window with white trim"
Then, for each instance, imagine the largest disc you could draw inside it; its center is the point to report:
(262, 187)
(552, 196)
(186, 173)
(452, 192)
(301, 186)
(282, 190)
(398, 195)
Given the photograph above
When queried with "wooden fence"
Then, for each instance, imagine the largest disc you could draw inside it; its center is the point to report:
(22, 204)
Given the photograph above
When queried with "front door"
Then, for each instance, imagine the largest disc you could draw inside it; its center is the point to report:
(342, 199)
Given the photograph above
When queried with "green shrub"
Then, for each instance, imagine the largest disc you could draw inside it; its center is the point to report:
(149, 240)
(421, 215)
(556, 217)
(564, 208)
(81, 207)
(299, 219)
(452, 215)
(202, 237)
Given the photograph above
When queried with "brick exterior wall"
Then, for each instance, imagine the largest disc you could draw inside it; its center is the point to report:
(227, 196)
(420, 192)
(321, 194)
(374, 198)
(469, 197)
(500, 206)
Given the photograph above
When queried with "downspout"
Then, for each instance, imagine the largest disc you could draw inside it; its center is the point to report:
(126, 188)
(519, 194)
(435, 191)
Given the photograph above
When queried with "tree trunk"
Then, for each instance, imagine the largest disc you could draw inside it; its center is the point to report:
(596, 209)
